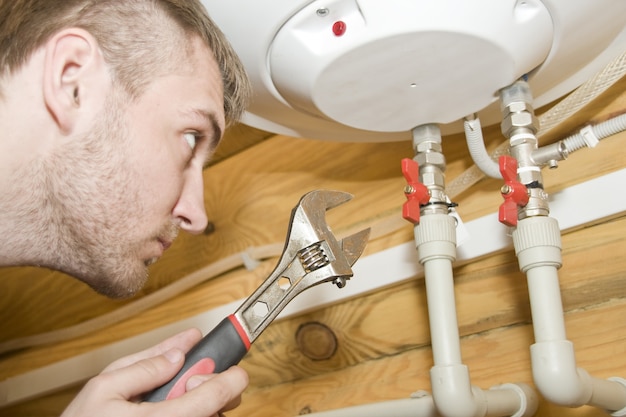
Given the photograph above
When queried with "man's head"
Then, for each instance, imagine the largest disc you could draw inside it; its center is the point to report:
(109, 110)
(138, 39)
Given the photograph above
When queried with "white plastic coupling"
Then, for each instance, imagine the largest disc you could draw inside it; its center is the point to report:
(525, 401)
(622, 382)
(537, 242)
(435, 237)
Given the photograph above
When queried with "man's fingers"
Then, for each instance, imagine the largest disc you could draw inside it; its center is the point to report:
(135, 375)
(219, 392)
(117, 389)
(239, 379)
(183, 341)
(196, 380)
(140, 377)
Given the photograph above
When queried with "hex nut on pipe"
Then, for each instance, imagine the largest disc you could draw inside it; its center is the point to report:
(514, 121)
(431, 158)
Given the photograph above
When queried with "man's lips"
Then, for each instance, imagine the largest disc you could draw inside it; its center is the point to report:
(164, 241)
(165, 244)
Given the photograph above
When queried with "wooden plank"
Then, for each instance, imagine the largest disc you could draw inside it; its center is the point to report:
(238, 138)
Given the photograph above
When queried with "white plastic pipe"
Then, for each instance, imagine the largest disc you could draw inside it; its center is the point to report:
(498, 400)
(476, 147)
(547, 313)
(453, 393)
(450, 380)
(410, 407)
(444, 331)
(537, 244)
(589, 136)
(435, 237)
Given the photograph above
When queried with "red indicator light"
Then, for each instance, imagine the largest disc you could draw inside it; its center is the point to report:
(339, 28)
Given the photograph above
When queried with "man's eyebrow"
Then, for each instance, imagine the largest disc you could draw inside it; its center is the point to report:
(216, 130)
(215, 133)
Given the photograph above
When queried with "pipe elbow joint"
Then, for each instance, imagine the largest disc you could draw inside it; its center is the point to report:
(453, 394)
(556, 376)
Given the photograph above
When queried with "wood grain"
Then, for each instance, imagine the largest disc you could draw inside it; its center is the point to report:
(383, 342)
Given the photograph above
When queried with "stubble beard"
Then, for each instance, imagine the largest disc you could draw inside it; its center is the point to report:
(97, 211)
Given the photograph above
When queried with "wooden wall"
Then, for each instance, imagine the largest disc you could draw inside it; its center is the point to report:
(382, 339)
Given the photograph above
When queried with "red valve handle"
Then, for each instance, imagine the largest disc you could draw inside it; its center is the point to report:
(416, 193)
(515, 193)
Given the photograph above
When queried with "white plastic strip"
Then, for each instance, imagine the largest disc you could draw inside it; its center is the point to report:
(573, 207)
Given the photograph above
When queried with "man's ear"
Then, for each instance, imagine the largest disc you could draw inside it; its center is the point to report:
(73, 71)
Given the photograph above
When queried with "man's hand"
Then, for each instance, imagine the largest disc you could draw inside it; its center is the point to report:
(118, 389)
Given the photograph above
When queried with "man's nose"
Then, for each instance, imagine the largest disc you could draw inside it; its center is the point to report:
(190, 208)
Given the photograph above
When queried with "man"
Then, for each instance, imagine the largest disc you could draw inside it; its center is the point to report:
(109, 109)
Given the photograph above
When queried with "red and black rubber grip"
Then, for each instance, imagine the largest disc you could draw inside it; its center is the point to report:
(220, 349)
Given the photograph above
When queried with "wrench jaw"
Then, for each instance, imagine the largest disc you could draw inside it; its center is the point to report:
(352, 246)
(312, 256)
(308, 219)
(314, 201)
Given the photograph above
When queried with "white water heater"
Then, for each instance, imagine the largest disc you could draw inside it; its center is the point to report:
(371, 70)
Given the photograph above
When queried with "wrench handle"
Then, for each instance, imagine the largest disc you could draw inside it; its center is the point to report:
(221, 348)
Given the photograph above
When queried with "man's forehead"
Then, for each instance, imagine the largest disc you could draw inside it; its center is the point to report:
(201, 63)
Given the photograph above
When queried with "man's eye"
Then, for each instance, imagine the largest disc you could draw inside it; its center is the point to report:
(191, 139)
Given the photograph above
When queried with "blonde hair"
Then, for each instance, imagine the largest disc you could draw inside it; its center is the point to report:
(140, 39)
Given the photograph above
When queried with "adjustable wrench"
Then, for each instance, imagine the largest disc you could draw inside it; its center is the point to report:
(312, 255)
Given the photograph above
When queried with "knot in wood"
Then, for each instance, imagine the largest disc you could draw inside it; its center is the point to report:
(316, 341)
